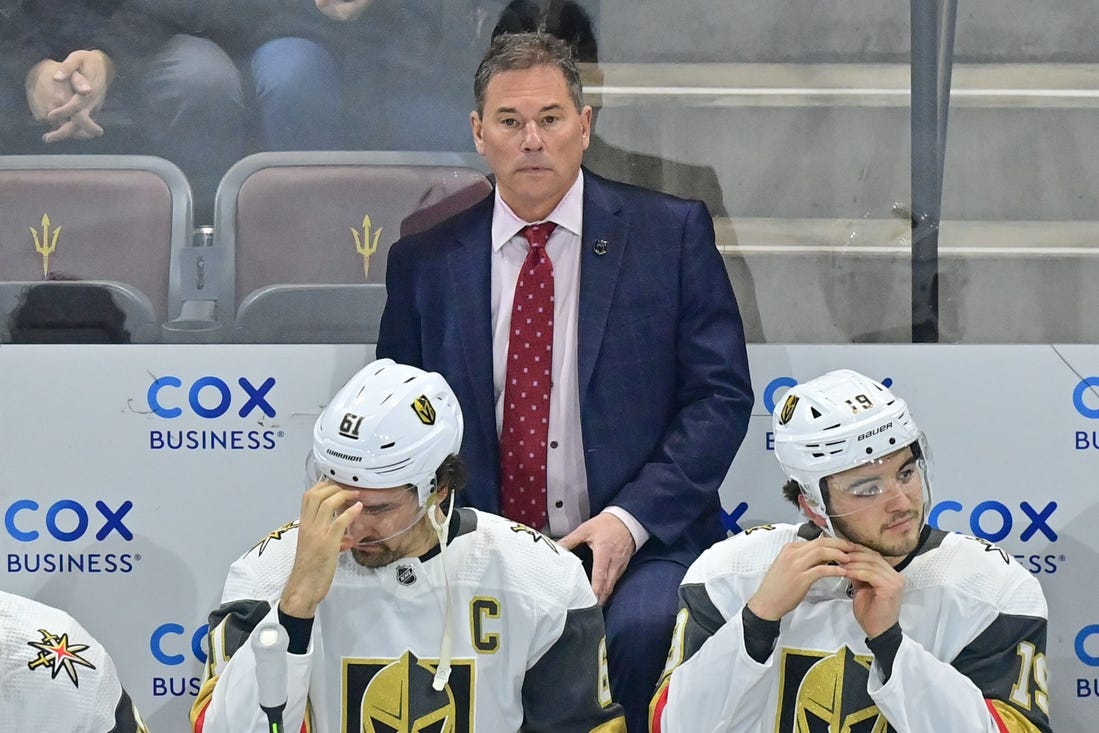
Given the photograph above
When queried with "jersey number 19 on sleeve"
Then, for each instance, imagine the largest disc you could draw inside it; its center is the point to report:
(1032, 672)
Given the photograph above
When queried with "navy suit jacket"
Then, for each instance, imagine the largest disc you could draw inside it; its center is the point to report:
(663, 372)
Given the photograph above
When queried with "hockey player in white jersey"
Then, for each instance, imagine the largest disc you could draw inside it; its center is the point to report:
(403, 613)
(864, 618)
(55, 677)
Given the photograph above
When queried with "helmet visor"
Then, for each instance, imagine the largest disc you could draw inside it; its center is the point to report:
(361, 533)
(313, 472)
(880, 481)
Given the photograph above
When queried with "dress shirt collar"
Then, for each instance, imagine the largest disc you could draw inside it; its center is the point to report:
(568, 214)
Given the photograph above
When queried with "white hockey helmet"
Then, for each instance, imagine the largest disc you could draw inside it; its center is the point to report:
(838, 421)
(390, 425)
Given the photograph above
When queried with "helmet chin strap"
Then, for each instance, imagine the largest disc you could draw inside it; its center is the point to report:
(818, 514)
(442, 672)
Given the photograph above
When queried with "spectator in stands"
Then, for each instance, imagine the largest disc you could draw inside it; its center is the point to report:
(331, 74)
(105, 68)
(292, 51)
(72, 313)
(407, 78)
(640, 365)
(56, 676)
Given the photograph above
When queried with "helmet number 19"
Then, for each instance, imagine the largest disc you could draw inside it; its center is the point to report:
(863, 401)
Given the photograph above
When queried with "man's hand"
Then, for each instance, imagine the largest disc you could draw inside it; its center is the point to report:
(612, 547)
(878, 588)
(343, 9)
(44, 92)
(798, 566)
(88, 74)
(325, 516)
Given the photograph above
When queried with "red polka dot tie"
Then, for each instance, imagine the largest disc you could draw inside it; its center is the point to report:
(525, 431)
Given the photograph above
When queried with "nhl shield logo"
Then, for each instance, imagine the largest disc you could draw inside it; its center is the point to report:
(424, 410)
(787, 409)
(406, 575)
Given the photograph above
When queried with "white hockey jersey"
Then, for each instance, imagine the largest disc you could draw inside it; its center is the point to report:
(528, 642)
(55, 677)
(972, 655)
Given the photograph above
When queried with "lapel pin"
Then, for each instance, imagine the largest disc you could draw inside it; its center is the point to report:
(600, 247)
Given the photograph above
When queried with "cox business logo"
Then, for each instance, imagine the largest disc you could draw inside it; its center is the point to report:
(995, 521)
(1087, 439)
(1086, 646)
(68, 520)
(771, 395)
(171, 645)
(213, 398)
(731, 520)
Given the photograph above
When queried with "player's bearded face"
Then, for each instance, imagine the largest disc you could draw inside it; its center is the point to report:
(392, 525)
(881, 505)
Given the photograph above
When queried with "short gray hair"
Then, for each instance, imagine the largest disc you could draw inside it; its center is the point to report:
(517, 51)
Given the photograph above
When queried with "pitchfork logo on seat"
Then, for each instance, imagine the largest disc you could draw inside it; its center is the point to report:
(45, 242)
(366, 244)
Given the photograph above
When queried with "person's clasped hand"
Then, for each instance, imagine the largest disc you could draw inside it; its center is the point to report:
(343, 9)
(68, 94)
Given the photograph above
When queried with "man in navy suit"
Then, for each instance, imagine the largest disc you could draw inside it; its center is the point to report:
(650, 394)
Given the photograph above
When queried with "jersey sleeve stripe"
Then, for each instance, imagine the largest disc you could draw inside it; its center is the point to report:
(126, 717)
(202, 704)
(656, 707)
(1010, 720)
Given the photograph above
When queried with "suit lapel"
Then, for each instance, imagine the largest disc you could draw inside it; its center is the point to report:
(602, 247)
(470, 284)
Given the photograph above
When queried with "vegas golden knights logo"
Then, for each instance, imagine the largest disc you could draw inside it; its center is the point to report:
(46, 244)
(57, 653)
(424, 410)
(397, 696)
(536, 536)
(826, 693)
(787, 409)
(274, 536)
(366, 245)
